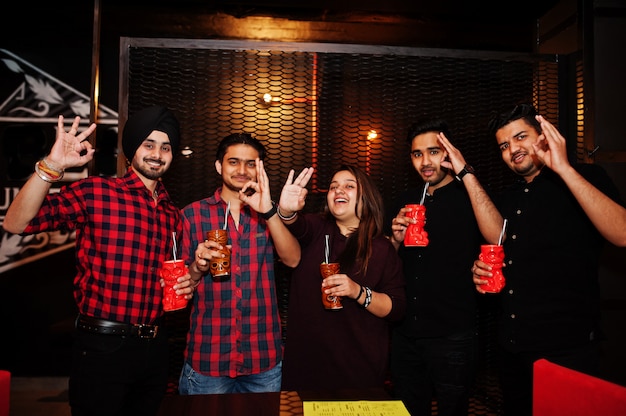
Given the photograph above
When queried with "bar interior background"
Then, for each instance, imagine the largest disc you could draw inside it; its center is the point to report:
(319, 83)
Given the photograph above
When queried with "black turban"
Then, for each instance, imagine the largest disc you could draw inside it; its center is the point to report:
(142, 123)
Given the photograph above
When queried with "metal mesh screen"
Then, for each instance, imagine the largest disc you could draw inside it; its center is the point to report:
(321, 109)
(324, 105)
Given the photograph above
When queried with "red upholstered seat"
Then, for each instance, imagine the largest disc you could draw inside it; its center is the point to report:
(560, 391)
(5, 392)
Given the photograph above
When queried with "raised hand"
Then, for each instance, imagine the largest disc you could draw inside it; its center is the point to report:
(456, 161)
(552, 150)
(71, 149)
(293, 195)
(261, 199)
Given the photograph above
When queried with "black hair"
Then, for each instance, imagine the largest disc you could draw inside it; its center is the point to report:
(426, 125)
(520, 111)
(239, 138)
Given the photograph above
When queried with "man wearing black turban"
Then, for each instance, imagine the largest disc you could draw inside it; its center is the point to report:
(124, 232)
(142, 123)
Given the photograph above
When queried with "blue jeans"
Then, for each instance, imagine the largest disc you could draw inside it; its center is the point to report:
(192, 382)
(425, 368)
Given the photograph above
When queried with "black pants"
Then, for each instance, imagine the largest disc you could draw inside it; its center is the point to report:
(116, 375)
(427, 368)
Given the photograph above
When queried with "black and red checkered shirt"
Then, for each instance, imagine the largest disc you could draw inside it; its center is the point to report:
(122, 237)
(235, 326)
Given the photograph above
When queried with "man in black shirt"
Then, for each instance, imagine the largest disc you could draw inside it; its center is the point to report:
(559, 217)
(433, 348)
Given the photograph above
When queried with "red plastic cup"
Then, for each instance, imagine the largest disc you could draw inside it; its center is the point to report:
(493, 254)
(330, 302)
(415, 235)
(172, 270)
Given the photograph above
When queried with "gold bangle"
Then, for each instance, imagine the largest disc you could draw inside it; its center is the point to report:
(48, 168)
(46, 176)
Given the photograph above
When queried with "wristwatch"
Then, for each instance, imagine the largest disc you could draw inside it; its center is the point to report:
(466, 169)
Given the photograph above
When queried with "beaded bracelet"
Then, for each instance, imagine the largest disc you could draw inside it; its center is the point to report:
(360, 293)
(289, 218)
(368, 297)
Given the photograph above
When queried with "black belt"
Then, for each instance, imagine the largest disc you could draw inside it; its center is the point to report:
(105, 327)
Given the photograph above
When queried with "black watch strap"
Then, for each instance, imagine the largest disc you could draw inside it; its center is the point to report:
(269, 214)
(466, 169)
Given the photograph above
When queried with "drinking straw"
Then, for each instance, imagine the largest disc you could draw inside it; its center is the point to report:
(226, 215)
(326, 249)
(174, 249)
(502, 232)
(424, 193)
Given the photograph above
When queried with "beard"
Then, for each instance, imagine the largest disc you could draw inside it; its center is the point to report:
(149, 172)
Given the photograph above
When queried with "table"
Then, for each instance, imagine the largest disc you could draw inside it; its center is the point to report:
(285, 403)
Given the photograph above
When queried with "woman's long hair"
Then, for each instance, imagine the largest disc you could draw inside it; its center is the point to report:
(369, 210)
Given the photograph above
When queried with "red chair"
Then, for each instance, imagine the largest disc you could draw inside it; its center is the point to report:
(558, 390)
(5, 392)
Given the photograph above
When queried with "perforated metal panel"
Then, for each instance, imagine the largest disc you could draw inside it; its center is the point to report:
(324, 102)
(328, 104)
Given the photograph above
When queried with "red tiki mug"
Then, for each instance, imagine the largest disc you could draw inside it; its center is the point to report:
(220, 266)
(330, 302)
(493, 254)
(170, 272)
(415, 235)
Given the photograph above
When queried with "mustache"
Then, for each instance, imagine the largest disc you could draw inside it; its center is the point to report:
(514, 155)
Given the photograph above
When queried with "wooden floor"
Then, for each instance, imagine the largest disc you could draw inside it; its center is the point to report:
(33, 396)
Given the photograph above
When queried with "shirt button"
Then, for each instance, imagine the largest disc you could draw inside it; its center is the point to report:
(512, 316)
(510, 291)
(518, 212)
(510, 262)
(514, 236)
(526, 190)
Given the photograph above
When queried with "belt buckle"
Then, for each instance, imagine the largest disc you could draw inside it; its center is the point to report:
(147, 331)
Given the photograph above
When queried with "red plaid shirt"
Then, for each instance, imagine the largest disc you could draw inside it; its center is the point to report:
(122, 237)
(235, 325)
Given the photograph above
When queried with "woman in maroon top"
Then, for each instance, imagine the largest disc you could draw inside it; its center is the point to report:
(346, 348)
